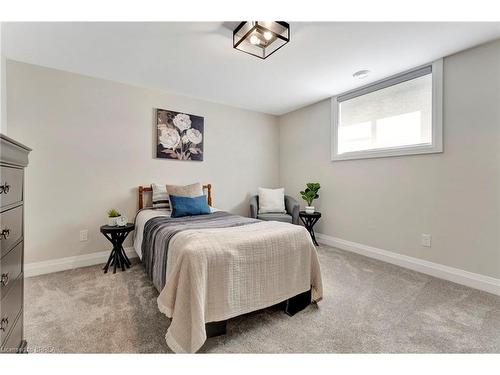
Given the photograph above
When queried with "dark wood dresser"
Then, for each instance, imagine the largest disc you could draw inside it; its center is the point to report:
(13, 160)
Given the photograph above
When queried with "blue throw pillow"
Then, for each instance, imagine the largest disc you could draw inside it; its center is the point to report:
(189, 206)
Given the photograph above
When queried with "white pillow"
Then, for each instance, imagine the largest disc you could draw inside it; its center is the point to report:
(193, 190)
(160, 197)
(272, 201)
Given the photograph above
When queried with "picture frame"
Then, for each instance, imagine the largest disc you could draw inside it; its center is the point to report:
(179, 135)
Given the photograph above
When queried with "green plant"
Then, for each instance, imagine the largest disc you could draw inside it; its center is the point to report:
(113, 213)
(311, 192)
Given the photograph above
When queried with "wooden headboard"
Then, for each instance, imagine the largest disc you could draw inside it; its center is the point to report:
(148, 189)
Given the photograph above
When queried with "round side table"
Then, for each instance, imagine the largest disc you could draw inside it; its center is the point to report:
(116, 235)
(309, 220)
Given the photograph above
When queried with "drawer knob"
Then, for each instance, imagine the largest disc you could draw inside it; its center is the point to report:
(4, 234)
(4, 323)
(4, 280)
(4, 188)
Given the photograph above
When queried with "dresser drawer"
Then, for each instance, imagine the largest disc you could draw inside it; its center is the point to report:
(11, 186)
(12, 266)
(11, 228)
(12, 303)
(13, 342)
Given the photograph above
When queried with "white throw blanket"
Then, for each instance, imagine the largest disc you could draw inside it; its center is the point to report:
(217, 274)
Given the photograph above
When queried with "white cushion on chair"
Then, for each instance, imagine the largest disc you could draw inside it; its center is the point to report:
(271, 201)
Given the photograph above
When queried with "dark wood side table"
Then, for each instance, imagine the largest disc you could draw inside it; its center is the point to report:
(116, 235)
(309, 220)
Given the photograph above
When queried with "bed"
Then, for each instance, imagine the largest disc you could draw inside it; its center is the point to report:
(210, 268)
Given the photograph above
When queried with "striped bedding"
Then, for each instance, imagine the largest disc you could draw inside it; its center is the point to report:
(159, 231)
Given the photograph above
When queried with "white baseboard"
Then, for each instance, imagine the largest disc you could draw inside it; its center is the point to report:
(470, 279)
(62, 264)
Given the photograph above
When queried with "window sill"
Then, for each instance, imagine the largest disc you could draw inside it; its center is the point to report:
(384, 153)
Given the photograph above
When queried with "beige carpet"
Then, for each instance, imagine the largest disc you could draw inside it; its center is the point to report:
(369, 307)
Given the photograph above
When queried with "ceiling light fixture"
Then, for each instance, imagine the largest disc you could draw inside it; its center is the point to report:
(361, 74)
(261, 38)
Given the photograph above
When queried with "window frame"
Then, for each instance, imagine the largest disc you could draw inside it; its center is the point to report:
(436, 68)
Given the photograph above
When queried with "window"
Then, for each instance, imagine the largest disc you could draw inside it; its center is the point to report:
(400, 115)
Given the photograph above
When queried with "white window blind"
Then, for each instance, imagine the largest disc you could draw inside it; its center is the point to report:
(396, 116)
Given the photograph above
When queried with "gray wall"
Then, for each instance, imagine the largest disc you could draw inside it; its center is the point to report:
(92, 143)
(389, 202)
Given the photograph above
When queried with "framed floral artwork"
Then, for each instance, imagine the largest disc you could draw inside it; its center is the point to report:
(179, 135)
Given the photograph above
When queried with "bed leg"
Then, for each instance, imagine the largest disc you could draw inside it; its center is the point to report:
(216, 328)
(298, 303)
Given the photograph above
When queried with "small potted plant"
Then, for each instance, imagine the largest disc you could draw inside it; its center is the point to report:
(310, 194)
(112, 215)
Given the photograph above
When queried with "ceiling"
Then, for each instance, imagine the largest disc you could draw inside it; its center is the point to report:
(197, 59)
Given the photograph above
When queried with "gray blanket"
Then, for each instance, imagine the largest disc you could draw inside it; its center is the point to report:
(159, 231)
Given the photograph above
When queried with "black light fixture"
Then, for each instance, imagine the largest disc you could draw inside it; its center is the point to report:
(261, 38)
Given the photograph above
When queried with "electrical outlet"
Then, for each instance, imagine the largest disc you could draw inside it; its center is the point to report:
(426, 240)
(84, 235)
